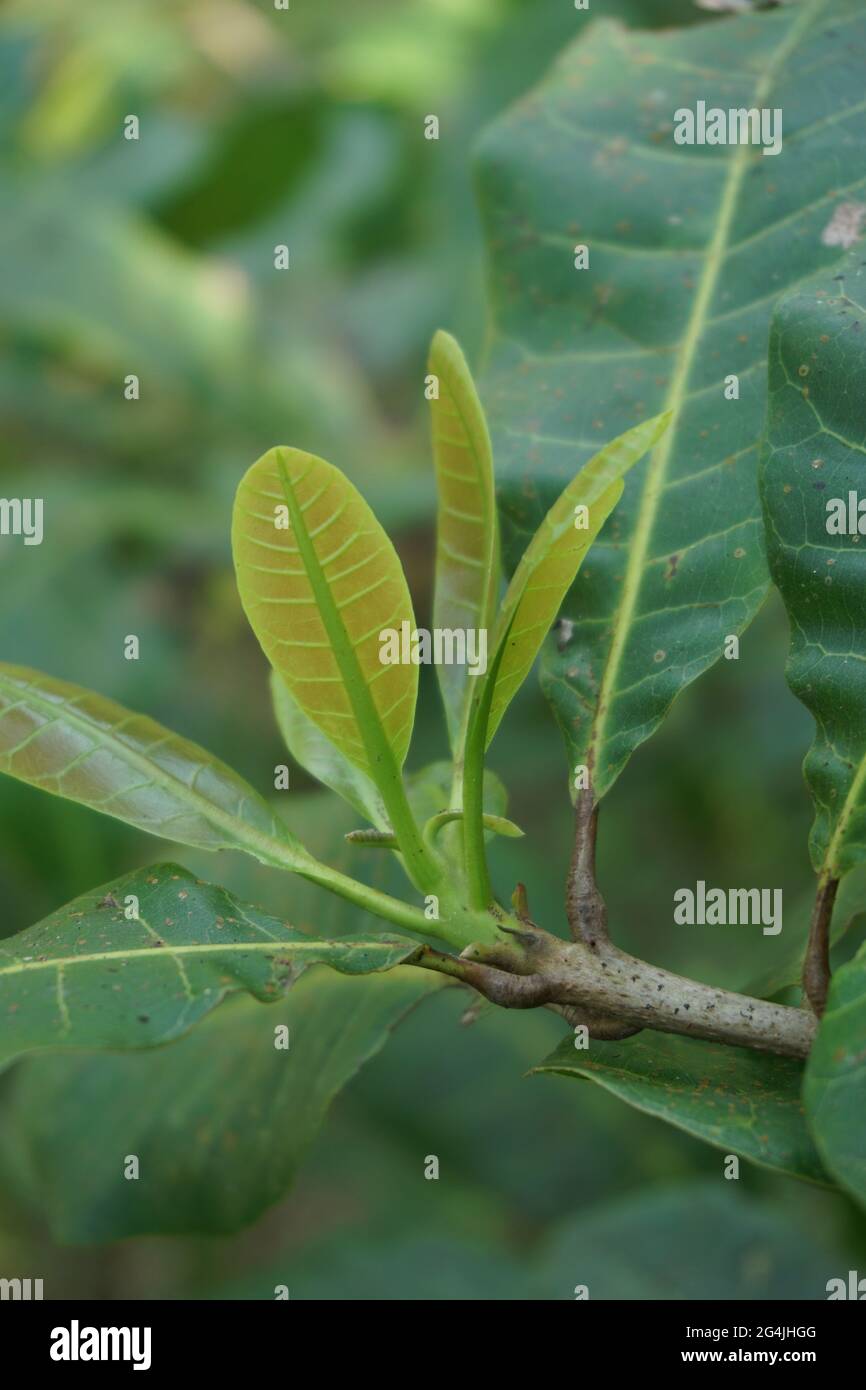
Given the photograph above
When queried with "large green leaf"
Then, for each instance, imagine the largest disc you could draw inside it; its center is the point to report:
(739, 1101)
(409, 1267)
(219, 1121)
(467, 529)
(689, 247)
(812, 457)
(89, 976)
(835, 1088)
(655, 1246)
(318, 593)
(645, 1247)
(73, 743)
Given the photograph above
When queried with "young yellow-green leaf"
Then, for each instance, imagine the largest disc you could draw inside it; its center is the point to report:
(531, 603)
(467, 531)
(73, 743)
(320, 581)
(497, 825)
(89, 976)
(315, 752)
(552, 559)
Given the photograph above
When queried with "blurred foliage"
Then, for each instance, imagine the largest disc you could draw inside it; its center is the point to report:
(155, 257)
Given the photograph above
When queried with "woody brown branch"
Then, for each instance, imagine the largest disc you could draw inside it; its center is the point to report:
(622, 991)
(816, 965)
(584, 906)
(587, 913)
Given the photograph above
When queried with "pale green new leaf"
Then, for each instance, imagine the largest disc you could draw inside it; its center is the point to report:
(315, 752)
(813, 461)
(89, 976)
(467, 528)
(70, 742)
(318, 594)
(689, 247)
(551, 561)
(430, 791)
(497, 825)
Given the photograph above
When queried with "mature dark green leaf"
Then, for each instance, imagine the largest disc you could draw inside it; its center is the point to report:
(87, 976)
(73, 743)
(689, 247)
(414, 1267)
(218, 1122)
(651, 1246)
(835, 1088)
(655, 1246)
(737, 1100)
(812, 467)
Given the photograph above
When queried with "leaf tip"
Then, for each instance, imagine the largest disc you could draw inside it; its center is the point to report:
(442, 342)
(663, 421)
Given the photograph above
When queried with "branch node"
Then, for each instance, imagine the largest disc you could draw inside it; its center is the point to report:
(584, 905)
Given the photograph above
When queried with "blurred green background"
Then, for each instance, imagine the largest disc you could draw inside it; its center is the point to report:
(156, 257)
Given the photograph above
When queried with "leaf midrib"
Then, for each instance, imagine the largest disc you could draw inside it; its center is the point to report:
(660, 458)
(377, 747)
(210, 948)
(383, 764)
